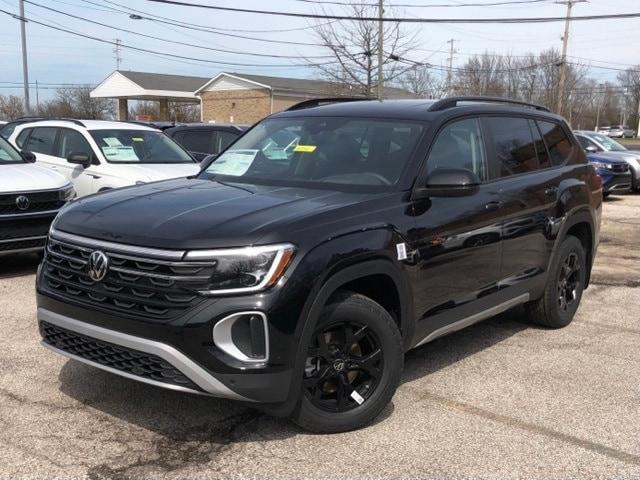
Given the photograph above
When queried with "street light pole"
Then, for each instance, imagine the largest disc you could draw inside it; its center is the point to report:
(25, 68)
(380, 49)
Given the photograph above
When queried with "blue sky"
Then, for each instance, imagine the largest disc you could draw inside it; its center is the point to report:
(57, 57)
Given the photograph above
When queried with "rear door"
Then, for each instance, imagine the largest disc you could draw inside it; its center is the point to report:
(528, 172)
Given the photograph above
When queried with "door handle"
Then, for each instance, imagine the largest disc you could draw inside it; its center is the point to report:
(551, 191)
(492, 206)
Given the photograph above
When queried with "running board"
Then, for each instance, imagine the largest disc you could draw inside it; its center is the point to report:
(478, 317)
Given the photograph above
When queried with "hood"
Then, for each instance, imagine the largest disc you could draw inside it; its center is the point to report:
(194, 213)
(606, 157)
(624, 156)
(27, 177)
(152, 172)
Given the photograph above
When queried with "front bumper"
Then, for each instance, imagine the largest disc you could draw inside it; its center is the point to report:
(615, 183)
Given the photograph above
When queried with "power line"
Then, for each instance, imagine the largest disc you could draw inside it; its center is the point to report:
(204, 47)
(154, 52)
(433, 5)
(401, 19)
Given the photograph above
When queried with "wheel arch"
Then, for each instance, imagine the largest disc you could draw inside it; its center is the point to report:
(580, 224)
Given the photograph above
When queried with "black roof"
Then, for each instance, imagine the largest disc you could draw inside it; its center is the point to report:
(207, 126)
(411, 109)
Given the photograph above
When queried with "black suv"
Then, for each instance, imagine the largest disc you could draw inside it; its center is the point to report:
(296, 269)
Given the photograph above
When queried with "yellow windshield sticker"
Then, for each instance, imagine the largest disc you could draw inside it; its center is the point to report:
(137, 139)
(305, 148)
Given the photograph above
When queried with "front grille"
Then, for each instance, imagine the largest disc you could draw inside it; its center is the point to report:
(38, 202)
(23, 244)
(619, 167)
(18, 228)
(134, 285)
(124, 359)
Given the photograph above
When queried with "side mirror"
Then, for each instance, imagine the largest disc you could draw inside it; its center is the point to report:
(79, 158)
(450, 182)
(209, 158)
(591, 149)
(29, 157)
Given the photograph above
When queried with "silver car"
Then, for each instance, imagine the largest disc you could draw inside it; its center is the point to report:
(30, 198)
(594, 142)
(620, 131)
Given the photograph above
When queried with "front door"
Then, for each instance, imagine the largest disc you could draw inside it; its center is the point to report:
(456, 243)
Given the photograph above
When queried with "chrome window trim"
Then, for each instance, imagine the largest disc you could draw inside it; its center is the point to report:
(224, 341)
(171, 355)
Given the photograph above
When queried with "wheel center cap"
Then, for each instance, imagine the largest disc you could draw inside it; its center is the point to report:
(339, 365)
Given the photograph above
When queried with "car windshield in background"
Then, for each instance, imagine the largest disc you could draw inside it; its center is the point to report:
(139, 146)
(8, 154)
(608, 143)
(321, 150)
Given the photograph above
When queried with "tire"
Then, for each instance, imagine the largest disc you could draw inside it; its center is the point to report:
(551, 310)
(606, 194)
(334, 366)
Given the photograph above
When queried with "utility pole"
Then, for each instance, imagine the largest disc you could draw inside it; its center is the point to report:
(116, 51)
(563, 58)
(25, 67)
(380, 49)
(450, 69)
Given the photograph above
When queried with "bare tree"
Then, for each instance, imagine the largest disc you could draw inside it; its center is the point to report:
(422, 83)
(178, 111)
(77, 103)
(11, 107)
(353, 45)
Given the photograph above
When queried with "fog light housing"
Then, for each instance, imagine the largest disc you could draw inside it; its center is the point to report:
(243, 336)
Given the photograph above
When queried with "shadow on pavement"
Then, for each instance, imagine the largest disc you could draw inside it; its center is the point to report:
(18, 265)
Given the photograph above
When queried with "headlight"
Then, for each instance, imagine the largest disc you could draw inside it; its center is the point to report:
(601, 165)
(68, 193)
(242, 270)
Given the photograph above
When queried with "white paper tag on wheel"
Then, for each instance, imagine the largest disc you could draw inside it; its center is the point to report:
(401, 249)
(357, 397)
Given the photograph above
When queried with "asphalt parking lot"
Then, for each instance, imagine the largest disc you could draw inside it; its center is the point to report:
(500, 399)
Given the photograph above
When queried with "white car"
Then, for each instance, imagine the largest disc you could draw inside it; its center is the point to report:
(30, 198)
(98, 155)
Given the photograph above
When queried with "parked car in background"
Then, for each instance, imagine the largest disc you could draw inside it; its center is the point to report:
(615, 173)
(99, 155)
(603, 130)
(620, 131)
(7, 129)
(204, 139)
(299, 266)
(597, 143)
(30, 198)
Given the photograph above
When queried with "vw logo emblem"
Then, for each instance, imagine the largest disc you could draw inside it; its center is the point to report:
(22, 202)
(98, 266)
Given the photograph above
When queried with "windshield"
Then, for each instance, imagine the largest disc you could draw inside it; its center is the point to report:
(321, 150)
(139, 146)
(609, 144)
(8, 154)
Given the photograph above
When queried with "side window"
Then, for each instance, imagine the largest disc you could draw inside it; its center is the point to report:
(22, 137)
(514, 146)
(585, 142)
(42, 140)
(224, 140)
(196, 141)
(541, 149)
(459, 145)
(557, 142)
(72, 141)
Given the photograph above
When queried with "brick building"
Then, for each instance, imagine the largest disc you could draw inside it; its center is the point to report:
(225, 98)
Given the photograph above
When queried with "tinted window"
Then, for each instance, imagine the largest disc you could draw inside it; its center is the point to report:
(322, 150)
(585, 142)
(22, 137)
(8, 154)
(224, 140)
(200, 141)
(72, 141)
(514, 145)
(541, 149)
(557, 142)
(42, 140)
(459, 145)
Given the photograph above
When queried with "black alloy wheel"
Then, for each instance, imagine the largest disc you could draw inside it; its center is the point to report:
(343, 367)
(568, 281)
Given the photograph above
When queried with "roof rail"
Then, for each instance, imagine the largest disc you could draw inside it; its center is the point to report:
(451, 102)
(316, 102)
(44, 119)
